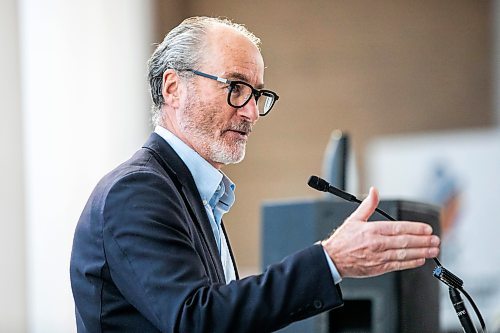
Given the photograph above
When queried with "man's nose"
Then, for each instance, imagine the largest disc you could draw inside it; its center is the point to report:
(250, 111)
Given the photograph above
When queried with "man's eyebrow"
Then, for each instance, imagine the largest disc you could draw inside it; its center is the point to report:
(241, 77)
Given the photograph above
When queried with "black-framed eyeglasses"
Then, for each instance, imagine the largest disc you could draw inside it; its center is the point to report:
(240, 93)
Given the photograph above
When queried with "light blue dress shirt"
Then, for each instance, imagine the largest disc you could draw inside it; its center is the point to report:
(217, 193)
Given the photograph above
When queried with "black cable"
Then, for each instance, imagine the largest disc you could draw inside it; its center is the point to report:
(476, 310)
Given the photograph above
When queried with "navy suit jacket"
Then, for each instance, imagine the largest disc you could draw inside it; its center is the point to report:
(145, 259)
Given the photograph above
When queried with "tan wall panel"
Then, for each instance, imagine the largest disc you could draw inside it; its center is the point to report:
(367, 67)
(169, 13)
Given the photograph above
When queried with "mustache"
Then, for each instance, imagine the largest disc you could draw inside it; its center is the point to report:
(244, 127)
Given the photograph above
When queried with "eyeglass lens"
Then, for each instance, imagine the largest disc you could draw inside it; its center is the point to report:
(241, 93)
(265, 103)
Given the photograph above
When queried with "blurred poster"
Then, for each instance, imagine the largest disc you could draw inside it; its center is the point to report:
(460, 172)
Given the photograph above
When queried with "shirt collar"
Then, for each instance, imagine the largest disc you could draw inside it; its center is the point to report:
(206, 177)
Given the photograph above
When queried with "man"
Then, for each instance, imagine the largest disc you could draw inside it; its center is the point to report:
(150, 253)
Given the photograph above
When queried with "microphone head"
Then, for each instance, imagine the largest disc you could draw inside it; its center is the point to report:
(318, 184)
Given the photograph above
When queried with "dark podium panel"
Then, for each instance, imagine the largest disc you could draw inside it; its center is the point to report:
(398, 302)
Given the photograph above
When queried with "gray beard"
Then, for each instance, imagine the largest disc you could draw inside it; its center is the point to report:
(202, 136)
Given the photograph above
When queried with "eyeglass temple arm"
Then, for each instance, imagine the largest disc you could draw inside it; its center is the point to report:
(213, 77)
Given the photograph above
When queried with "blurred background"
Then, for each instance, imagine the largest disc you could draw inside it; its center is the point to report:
(414, 83)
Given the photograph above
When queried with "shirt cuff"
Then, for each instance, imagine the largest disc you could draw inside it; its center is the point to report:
(335, 273)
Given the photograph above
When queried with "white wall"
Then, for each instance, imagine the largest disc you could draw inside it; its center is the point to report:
(85, 109)
(12, 224)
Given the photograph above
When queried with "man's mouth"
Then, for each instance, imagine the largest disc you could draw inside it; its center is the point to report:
(240, 132)
(243, 130)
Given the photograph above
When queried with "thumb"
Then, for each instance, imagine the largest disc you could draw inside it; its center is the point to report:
(367, 207)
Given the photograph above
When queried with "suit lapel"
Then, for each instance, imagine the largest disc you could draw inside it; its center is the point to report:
(179, 172)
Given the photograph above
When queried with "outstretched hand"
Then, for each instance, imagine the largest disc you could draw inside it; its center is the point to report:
(362, 249)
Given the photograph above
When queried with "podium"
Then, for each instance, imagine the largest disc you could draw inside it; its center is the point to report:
(398, 302)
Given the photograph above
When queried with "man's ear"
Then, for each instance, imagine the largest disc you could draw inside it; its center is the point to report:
(171, 88)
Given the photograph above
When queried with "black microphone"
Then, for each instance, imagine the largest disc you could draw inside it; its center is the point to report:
(322, 185)
(461, 311)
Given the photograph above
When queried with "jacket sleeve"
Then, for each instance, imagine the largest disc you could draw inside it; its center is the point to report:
(153, 261)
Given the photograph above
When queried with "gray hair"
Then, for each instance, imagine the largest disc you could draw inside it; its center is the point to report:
(183, 49)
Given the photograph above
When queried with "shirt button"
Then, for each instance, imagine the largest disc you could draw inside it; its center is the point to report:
(318, 304)
(205, 202)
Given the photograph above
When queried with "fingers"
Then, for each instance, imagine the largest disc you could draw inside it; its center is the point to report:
(401, 265)
(394, 228)
(408, 242)
(395, 255)
(367, 207)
